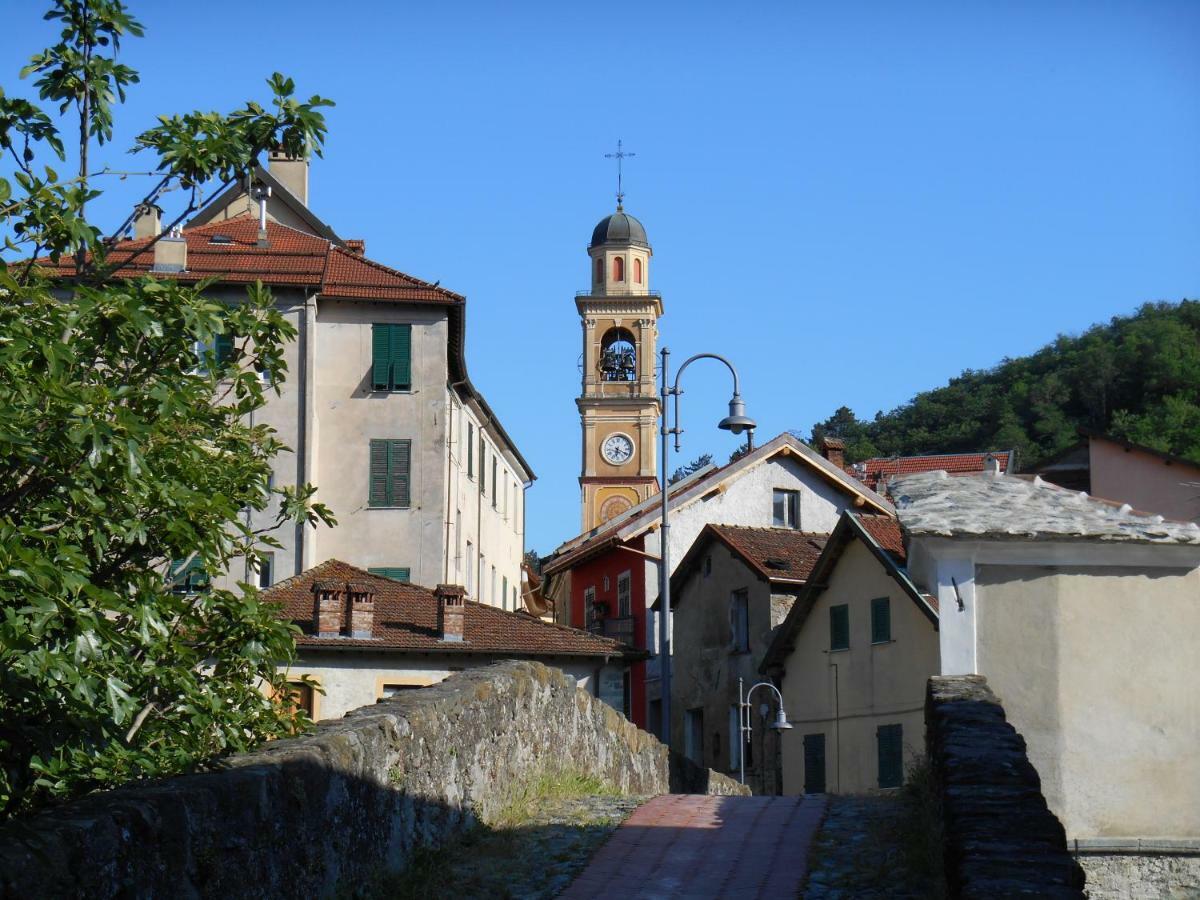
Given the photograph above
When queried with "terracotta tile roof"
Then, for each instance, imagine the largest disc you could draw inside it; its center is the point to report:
(777, 554)
(875, 472)
(406, 619)
(228, 250)
(885, 530)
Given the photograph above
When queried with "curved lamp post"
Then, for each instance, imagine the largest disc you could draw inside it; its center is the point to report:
(737, 422)
(781, 724)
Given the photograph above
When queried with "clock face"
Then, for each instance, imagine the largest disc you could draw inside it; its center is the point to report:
(617, 449)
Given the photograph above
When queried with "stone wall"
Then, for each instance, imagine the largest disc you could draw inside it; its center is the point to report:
(328, 812)
(1139, 870)
(1001, 839)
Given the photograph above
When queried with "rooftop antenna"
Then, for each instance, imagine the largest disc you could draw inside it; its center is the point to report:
(619, 156)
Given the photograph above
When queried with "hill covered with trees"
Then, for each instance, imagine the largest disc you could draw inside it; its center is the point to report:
(1137, 377)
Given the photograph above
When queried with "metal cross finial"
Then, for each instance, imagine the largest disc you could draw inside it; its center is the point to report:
(619, 156)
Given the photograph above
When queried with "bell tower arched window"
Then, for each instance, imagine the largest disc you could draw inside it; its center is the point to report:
(637, 271)
(618, 356)
(618, 268)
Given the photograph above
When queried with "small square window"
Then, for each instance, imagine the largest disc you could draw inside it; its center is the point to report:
(785, 508)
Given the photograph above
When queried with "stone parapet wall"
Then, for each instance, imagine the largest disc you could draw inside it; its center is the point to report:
(1139, 870)
(326, 813)
(1001, 839)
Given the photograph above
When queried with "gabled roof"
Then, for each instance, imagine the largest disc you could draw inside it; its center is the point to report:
(406, 620)
(647, 514)
(280, 196)
(882, 537)
(1010, 508)
(228, 251)
(780, 556)
(1090, 434)
(877, 471)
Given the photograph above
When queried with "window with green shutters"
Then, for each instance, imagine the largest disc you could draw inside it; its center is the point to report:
(891, 755)
(391, 357)
(393, 572)
(814, 763)
(839, 627)
(881, 620)
(389, 473)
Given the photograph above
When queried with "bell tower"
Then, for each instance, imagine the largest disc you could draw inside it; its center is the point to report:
(618, 402)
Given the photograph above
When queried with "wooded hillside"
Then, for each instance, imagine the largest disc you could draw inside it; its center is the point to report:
(1137, 377)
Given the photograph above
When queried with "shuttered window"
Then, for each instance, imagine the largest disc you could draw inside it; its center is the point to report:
(393, 572)
(470, 450)
(223, 347)
(839, 627)
(389, 475)
(391, 357)
(891, 761)
(881, 620)
(814, 764)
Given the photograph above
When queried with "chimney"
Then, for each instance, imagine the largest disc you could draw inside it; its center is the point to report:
(170, 253)
(291, 172)
(362, 609)
(147, 221)
(330, 608)
(451, 606)
(834, 450)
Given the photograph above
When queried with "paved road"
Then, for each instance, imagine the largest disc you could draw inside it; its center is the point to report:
(683, 845)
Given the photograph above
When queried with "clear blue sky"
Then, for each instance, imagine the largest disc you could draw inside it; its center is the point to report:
(854, 202)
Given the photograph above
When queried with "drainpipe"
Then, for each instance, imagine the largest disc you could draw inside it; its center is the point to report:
(449, 441)
(837, 730)
(302, 461)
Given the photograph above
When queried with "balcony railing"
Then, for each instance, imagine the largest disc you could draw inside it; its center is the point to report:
(619, 628)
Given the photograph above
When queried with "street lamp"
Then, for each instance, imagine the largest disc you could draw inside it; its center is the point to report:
(781, 724)
(736, 422)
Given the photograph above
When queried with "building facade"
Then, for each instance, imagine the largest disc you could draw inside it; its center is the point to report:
(377, 409)
(365, 637)
(729, 594)
(1085, 617)
(851, 660)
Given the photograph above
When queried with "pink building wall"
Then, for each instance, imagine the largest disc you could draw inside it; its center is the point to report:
(1144, 481)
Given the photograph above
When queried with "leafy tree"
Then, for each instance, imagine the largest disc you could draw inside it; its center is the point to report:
(694, 466)
(1137, 377)
(127, 455)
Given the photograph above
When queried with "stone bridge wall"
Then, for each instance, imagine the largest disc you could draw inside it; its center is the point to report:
(1001, 840)
(328, 812)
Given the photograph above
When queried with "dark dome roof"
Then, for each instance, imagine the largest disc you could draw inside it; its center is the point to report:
(619, 228)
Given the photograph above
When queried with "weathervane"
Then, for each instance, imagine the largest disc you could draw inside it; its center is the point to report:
(619, 156)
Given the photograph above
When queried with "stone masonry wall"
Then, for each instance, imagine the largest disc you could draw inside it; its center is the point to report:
(325, 813)
(1001, 840)
(1147, 871)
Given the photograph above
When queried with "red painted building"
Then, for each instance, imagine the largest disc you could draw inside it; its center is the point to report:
(608, 597)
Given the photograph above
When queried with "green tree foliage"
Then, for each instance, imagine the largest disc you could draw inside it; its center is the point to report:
(1138, 378)
(694, 466)
(129, 454)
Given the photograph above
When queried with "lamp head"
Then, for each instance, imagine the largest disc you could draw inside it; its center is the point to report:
(737, 421)
(781, 723)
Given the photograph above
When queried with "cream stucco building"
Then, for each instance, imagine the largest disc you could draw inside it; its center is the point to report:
(851, 660)
(377, 409)
(1085, 618)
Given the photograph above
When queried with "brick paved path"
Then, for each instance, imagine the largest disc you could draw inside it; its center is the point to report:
(684, 845)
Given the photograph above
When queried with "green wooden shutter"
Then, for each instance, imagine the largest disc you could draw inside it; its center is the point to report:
(378, 493)
(396, 573)
(891, 762)
(814, 764)
(881, 620)
(223, 348)
(399, 460)
(839, 627)
(401, 357)
(381, 357)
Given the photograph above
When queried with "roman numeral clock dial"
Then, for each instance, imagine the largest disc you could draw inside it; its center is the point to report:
(617, 449)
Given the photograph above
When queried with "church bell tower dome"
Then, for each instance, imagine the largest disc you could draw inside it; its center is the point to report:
(620, 229)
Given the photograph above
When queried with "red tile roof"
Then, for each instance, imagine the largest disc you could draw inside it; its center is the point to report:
(777, 554)
(406, 619)
(875, 472)
(293, 258)
(885, 531)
